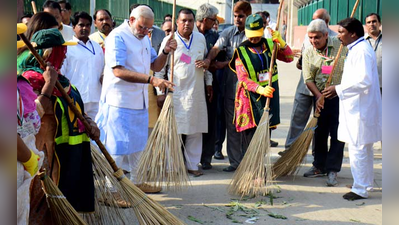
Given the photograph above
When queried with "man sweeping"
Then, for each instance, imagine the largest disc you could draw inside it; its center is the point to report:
(123, 112)
(360, 107)
(316, 67)
(189, 94)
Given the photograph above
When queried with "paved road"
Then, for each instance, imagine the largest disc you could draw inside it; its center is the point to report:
(299, 200)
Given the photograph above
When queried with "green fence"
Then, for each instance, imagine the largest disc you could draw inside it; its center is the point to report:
(118, 8)
(338, 9)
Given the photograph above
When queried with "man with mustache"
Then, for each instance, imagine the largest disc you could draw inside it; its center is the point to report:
(103, 22)
(360, 106)
(374, 37)
(230, 39)
(84, 63)
(123, 113)
(189, 94)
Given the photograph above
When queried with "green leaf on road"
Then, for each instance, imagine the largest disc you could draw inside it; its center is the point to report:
(192, 218)
(277, 216)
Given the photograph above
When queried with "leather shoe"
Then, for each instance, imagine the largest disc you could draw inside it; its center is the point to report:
(273, 143)
(229, 169)
(218, 155)
(206, 166)
(351, 196)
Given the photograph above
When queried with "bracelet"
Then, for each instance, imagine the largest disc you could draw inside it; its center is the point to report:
(149, 79)
(45, 95)
(163, 51)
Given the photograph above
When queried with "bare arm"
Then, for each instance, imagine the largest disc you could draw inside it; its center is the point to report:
(160, 61)
(312, 87)
(213, 53)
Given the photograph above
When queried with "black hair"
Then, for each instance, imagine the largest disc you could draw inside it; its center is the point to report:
(68, 5)
(81, 15)
(105, 10)
(167, 15)
(51, 5)
(27, 15)
(266, 13)
(352, 25)
(186, 11)
(373, 14)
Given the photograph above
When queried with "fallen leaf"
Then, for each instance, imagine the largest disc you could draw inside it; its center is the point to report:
(192, 218)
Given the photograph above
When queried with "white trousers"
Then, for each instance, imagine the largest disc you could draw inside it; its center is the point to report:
(193, 150)
(361, 159)
(91, 109)
(129, 163)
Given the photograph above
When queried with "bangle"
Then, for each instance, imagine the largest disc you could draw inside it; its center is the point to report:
(165, 53)
(149, 79)
(45, 95)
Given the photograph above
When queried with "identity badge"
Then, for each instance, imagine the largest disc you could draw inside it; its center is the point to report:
(263, 77)
(185, 58)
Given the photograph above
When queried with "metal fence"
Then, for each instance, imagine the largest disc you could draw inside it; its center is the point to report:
(118, 8)
(338, 9)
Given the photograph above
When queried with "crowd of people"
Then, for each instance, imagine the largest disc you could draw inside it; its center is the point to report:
(118, 77)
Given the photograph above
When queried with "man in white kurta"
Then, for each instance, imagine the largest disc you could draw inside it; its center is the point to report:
(189, 94)
(84, 64)
(360, 112)
(123, 113)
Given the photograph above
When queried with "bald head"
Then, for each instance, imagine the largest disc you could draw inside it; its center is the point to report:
(322, 14)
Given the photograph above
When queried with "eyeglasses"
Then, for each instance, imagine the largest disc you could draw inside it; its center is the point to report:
(149, 29)
(211, 19)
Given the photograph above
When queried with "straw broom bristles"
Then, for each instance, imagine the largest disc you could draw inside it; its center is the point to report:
(148, 211)
(288, 163)
(162, 160)
(252, 176)
(106, 189)
(62, 211)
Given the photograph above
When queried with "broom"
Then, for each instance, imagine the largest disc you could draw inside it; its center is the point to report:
(292, 159)
(61, 210)
(254, 174)
(147, 210)
(162, 160)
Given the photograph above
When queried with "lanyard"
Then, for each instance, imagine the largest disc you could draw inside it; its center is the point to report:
(191, 41)
(260, 57)
(84, 46)
(376, 42)
(101, 36)
(361, 39)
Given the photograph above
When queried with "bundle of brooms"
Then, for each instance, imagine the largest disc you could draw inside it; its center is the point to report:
(289, 163)
(254, 175)
(147, 210)
(162, 161)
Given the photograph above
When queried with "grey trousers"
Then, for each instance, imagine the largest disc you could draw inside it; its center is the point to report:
(299, 118)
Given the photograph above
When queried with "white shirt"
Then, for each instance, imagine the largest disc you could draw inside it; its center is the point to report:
(122, 48)
(67, 32)
(360, 107)
(189, 94)
(83, 66)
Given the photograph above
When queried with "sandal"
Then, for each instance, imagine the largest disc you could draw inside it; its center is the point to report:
(195, 173)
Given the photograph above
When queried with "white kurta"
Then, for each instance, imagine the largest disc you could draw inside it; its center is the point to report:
(360, 108)
(83, 66)
(189, 95)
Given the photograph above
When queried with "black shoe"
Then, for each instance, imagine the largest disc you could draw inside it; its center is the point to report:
(281, 153)
(273, 143)
(218, 155)
(350, 196)
(314, 172)
(206, 166)
(229, 169)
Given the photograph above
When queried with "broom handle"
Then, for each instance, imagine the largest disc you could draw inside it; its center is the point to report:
(340, 49)
(274, 53)
(34, 7)
(110, 160)
(172, 57)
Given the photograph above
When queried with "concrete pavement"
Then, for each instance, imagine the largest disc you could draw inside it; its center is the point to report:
(298, 200)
